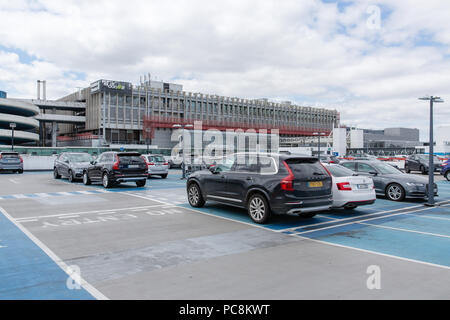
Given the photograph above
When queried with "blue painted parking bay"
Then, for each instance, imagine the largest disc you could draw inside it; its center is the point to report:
(27, 272)
(402, 229)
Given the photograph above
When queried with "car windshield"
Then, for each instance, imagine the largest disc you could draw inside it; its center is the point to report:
(340, 171)
(426, 157)
(385, 168)
(79, 157)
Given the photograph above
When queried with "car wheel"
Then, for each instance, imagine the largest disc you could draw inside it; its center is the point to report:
(164, 176)
(105, 181)
(258, 208)
(447, 175)
(395, 192)
(407, 169)
(423, 170)
(195, 197)
(141, 183)
(56, 175)
(20, 171)
(70, 176)
(86, 179)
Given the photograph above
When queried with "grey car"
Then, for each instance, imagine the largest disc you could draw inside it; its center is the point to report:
(391, 182)
(11, 161)
(157, 165)
(420, 162)
(71, 165)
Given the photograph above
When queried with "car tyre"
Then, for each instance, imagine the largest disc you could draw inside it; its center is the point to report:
(105, 181)
(56, 175)
(258, 208)
(141, 183)
(164, 176)
(71, 178)
(20, 171)
(423, 170)
(447, 175)
(195, 197)
(86, 179)
(395, 192)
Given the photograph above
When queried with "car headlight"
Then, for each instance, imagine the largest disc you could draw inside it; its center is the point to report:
(413, 184)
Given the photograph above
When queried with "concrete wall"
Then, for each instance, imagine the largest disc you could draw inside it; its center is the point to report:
(38, 162)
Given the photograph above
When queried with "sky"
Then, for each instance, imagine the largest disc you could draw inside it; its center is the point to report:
(370, 60)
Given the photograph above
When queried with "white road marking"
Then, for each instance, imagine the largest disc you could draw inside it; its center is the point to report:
(85, 212)
(14, 181)
(88, 287)
(405, 230)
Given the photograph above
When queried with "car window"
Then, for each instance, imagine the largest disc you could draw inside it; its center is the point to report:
(387, 169)
(102, 158)
(156, 159)
(79, 157)
(340, 171)
(306, 167)
(364, 167)
(226, 164)
(349, 165)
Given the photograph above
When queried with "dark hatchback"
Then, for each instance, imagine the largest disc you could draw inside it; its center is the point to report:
(112, 168)
(264, 184)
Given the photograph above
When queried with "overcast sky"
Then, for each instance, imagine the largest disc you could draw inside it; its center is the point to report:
(370, 60)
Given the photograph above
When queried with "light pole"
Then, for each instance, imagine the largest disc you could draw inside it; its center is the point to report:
(183, 165)
(147, 132)
(430, 202)
(318, 149)
(12, 125)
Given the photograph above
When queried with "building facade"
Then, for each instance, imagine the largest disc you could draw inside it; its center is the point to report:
(122, 112)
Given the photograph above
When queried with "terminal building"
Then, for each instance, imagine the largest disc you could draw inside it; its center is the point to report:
(109, 113)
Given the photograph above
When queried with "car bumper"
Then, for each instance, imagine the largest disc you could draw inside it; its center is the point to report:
(11, 166)
(158, 172)
(300, 206)
(133, 178)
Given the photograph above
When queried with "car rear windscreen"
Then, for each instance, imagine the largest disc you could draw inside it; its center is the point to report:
(10, 155)
(340, 171)
(157, 159)
(130, 159)
(306, 167)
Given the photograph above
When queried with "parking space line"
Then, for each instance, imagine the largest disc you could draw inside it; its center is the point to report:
(84, 284)
(404, 230)
(428, 217)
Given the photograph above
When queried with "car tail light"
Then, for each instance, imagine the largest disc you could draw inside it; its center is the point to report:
(151, 164)
(21, 160)
(331, 161)
(344, 186)
(287, 183)
(0, 156)
(329, 173)
(166, 163)
(145, 160)
(116, 164)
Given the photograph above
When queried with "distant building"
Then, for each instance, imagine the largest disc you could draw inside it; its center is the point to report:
(3, 94)
(391, 138)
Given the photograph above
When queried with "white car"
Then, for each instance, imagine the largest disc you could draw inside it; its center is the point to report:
(349, 189)
(157, 165)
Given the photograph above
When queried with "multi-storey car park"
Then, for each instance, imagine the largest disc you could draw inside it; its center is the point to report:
(120, 112)
(22, 114)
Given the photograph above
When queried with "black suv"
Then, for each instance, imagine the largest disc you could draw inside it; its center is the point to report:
(264, 184)
(420, 162)
(112, 168)
(71, 165)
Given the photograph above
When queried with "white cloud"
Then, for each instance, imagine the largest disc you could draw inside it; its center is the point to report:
(307, 51)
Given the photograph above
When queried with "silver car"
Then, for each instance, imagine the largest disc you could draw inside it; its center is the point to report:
(391, 182)
(11, 161)
(157, 165)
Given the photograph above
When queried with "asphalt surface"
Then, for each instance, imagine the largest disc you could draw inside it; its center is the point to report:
(148, 243)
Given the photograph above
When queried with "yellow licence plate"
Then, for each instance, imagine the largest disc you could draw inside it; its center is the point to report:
(315, 184)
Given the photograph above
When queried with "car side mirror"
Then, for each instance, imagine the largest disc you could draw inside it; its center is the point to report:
(213, 169)
(93, 161)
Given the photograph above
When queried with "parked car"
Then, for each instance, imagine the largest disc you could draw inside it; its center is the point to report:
(112, 168)
(445, 169)
(349, 189)
(391, 182)
(329, 159)
(420, 162)
(157, 165)
(11, 161)
(264, 184)
(71, 165)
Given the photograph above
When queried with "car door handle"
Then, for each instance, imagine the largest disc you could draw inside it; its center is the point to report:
(249, 178)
